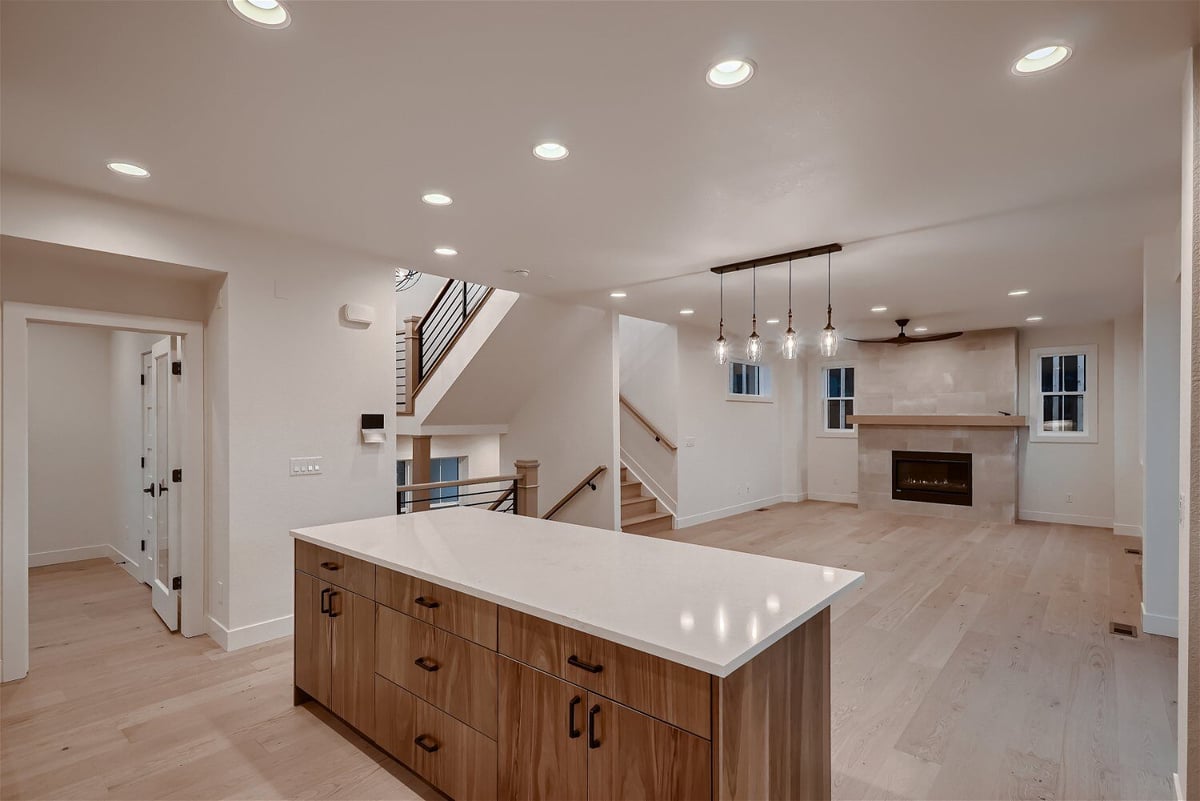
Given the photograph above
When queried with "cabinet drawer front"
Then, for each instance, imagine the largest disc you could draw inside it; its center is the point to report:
(633, 757)
(677, 694)
(452, 756)
(453, 674)
(346, 572)
(395, 720)
(456, 612)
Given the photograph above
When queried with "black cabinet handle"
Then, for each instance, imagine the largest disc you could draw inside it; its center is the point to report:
(425, 664)
(426, 742)
(421, 600)
(333, 594)
(325, 600)
(592, 713)
(579, 663)
(573, 732)
(330, 565)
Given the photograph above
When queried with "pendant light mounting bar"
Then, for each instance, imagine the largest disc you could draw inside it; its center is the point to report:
(778, 258)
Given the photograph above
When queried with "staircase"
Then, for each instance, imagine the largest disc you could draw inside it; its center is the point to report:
(640, 514)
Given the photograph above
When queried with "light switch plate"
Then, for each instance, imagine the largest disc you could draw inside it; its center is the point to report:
(306, 465)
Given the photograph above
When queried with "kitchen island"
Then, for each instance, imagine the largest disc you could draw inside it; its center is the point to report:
(510, 657)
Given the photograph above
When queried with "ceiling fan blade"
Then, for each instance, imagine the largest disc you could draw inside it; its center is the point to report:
(936, 337)
(884, 341)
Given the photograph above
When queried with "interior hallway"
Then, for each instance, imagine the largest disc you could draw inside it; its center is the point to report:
(976, 662)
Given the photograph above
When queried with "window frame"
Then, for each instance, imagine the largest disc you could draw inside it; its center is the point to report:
(824, 399)
(1091, 393)
(766, 383)
(405, 465)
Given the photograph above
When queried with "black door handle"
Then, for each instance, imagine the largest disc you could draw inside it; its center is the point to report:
(430, 746)
(333, 594)
(425, 664)
(579, 663)
(592, 713)
(151, 490)
(324, 600)
(162, 487)
(425, 602)
(573, 732)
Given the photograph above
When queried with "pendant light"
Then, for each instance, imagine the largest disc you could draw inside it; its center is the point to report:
(754, 346)
(829, 336)
(791, 343)
(721, 346)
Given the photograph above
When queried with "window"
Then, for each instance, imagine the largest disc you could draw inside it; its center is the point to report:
(1062, 402)
(749, 381)
(838, 391)
(449, 468)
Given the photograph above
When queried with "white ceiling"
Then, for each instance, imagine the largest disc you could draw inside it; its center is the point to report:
(894, 128)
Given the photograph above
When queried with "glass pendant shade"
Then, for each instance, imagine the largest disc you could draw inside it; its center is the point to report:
(791, 344)
(754, 345)
(721, 350)
(828, 341)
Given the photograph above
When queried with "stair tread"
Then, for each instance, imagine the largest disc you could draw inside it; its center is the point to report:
(631, 483)
(636, 499)
(644, 518)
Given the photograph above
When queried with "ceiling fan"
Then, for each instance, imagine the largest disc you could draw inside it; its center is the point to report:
(905, 339)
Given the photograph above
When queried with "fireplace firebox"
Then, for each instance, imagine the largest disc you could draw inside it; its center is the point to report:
(932, 477)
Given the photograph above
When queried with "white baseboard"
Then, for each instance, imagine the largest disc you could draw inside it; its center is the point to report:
(64, 555)
(728, 511)
(1178, 787)
(1068, 520)
(1159, 624)
(794, 497)
(832, 497)
(654, 488)
(252, 634)
(1127, 529)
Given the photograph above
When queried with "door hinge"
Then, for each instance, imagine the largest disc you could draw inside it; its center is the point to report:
(177, 475)
(143, 379)
(176, 368)
(177, 583)
(143, 462)
(143, 546)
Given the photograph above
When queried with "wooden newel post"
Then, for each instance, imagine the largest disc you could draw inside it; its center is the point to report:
(421, 470)
(412, 356)
(527, 486)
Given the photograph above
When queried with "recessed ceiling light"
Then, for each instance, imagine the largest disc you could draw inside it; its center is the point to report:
(263, 13)
(617, 294)
(879, 308)
(1041, 59)
(920, 329)
(730, 73)
(445, 251)
(773, 321)
(687, 311)
(125, 168)
(1037, 318)
(521, 272)
(1018, 292)
(437, 199)
(550, 151)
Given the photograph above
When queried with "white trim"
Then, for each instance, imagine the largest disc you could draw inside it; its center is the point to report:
(1159, 624)
(825, 430)
(452, 431)
(252, 634)
(1127, 529)
(14, 540)
(1178, 787)
(64, 555)
(766, 382)
(728, 511)
(833, 497)
(1091, 394)
(656, 489)
(1069, 520)
(794, 497)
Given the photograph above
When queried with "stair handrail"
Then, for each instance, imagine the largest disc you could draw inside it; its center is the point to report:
(441, 317)
(659, 436)
(587, 482)
(509, 478)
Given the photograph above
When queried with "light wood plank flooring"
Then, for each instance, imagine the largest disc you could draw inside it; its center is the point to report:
(976, 662)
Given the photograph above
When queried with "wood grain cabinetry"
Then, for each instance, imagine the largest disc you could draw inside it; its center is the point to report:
(633, 757)
(543, 751)
(471, 618)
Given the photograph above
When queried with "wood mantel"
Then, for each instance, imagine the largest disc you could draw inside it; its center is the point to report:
(954, 420)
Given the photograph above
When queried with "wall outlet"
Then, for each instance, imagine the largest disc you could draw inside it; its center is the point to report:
(689, 442)
(306, 465)
(1070, 499)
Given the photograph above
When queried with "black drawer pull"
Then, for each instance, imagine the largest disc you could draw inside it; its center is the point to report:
(334, 594)
(330, 566)
(573, 732)
(579, 663)
(424, 664)
(325, 600)
(421, 600)
(430, 746)
(592, 714)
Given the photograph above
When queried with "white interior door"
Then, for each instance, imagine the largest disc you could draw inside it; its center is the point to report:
(166, 503)
(149, 468)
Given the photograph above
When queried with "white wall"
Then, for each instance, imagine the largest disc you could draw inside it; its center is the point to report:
(568, 422)
(125, 393)
(1128, 425)
(417, 298)
(1052, 471)
(649, 367)
(831, 460)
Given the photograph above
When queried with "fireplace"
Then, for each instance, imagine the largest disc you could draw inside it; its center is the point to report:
(932, 477)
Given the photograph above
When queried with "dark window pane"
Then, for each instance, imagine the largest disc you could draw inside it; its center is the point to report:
(1062, 413)
(1071, 374)
(737, 381)
(849, 393)
(752, 380)
(1048, 373)
(834, 383)
(849, 411)
(833, 416)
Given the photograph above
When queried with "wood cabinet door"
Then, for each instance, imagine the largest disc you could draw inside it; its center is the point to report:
(353, 657)
(313, 658)
(633, 757)
(542, 747)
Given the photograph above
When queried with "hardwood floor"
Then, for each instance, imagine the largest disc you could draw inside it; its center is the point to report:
(976, 662)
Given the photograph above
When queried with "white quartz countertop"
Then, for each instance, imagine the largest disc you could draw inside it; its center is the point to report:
(707, 608)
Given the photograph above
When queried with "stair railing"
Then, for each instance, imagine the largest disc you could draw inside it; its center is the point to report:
(659, 436)
(511, 493)
(589, 481)
(426, 340)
